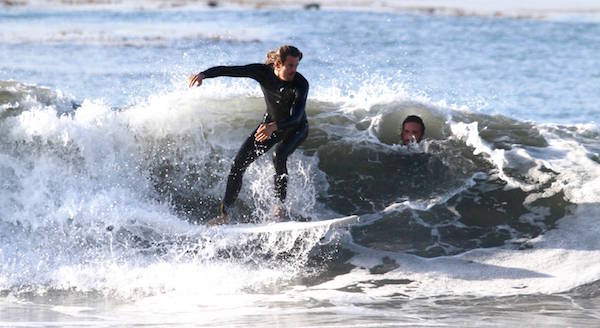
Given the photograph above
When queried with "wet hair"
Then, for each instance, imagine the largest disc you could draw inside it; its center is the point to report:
(271, 57)
(282, 53)
(415, 119)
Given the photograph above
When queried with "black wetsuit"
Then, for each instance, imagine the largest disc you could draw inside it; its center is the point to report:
(286, 102)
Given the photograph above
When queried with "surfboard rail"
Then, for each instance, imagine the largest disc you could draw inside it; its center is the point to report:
(272, 227)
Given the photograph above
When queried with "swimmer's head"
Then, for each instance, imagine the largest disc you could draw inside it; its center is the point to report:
(413, 129)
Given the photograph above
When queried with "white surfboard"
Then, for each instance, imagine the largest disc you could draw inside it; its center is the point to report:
(250, 228)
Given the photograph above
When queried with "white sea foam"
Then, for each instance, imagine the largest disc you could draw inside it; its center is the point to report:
(80, 178)
(469, 133)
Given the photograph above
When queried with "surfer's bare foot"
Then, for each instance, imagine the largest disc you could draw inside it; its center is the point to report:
(222, 218)
(278, 213)
(219, 220)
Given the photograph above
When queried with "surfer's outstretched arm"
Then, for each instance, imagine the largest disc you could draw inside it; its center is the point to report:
(256, 72)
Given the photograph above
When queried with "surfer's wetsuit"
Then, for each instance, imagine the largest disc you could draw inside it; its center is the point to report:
(286, 102)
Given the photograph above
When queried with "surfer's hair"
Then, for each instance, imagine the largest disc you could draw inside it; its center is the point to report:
(415, 119)
(271, 57)
(282, 53)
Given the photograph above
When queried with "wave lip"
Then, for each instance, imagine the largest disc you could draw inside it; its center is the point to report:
(17, 97)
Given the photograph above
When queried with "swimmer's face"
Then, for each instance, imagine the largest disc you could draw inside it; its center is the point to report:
(287, 70)
(411, 131)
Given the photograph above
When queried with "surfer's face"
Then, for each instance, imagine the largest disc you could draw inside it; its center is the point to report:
(287, 70)
(411, 131)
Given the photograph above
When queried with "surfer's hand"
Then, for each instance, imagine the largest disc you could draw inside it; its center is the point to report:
(196, 79)
(265, 131)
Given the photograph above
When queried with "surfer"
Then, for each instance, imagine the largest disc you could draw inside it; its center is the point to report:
(285, 124)
(413, 129)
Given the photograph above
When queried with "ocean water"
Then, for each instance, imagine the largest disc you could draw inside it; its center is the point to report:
(109, 165)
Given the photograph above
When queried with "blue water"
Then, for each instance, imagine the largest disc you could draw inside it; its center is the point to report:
(544, 71)
(491, 221)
